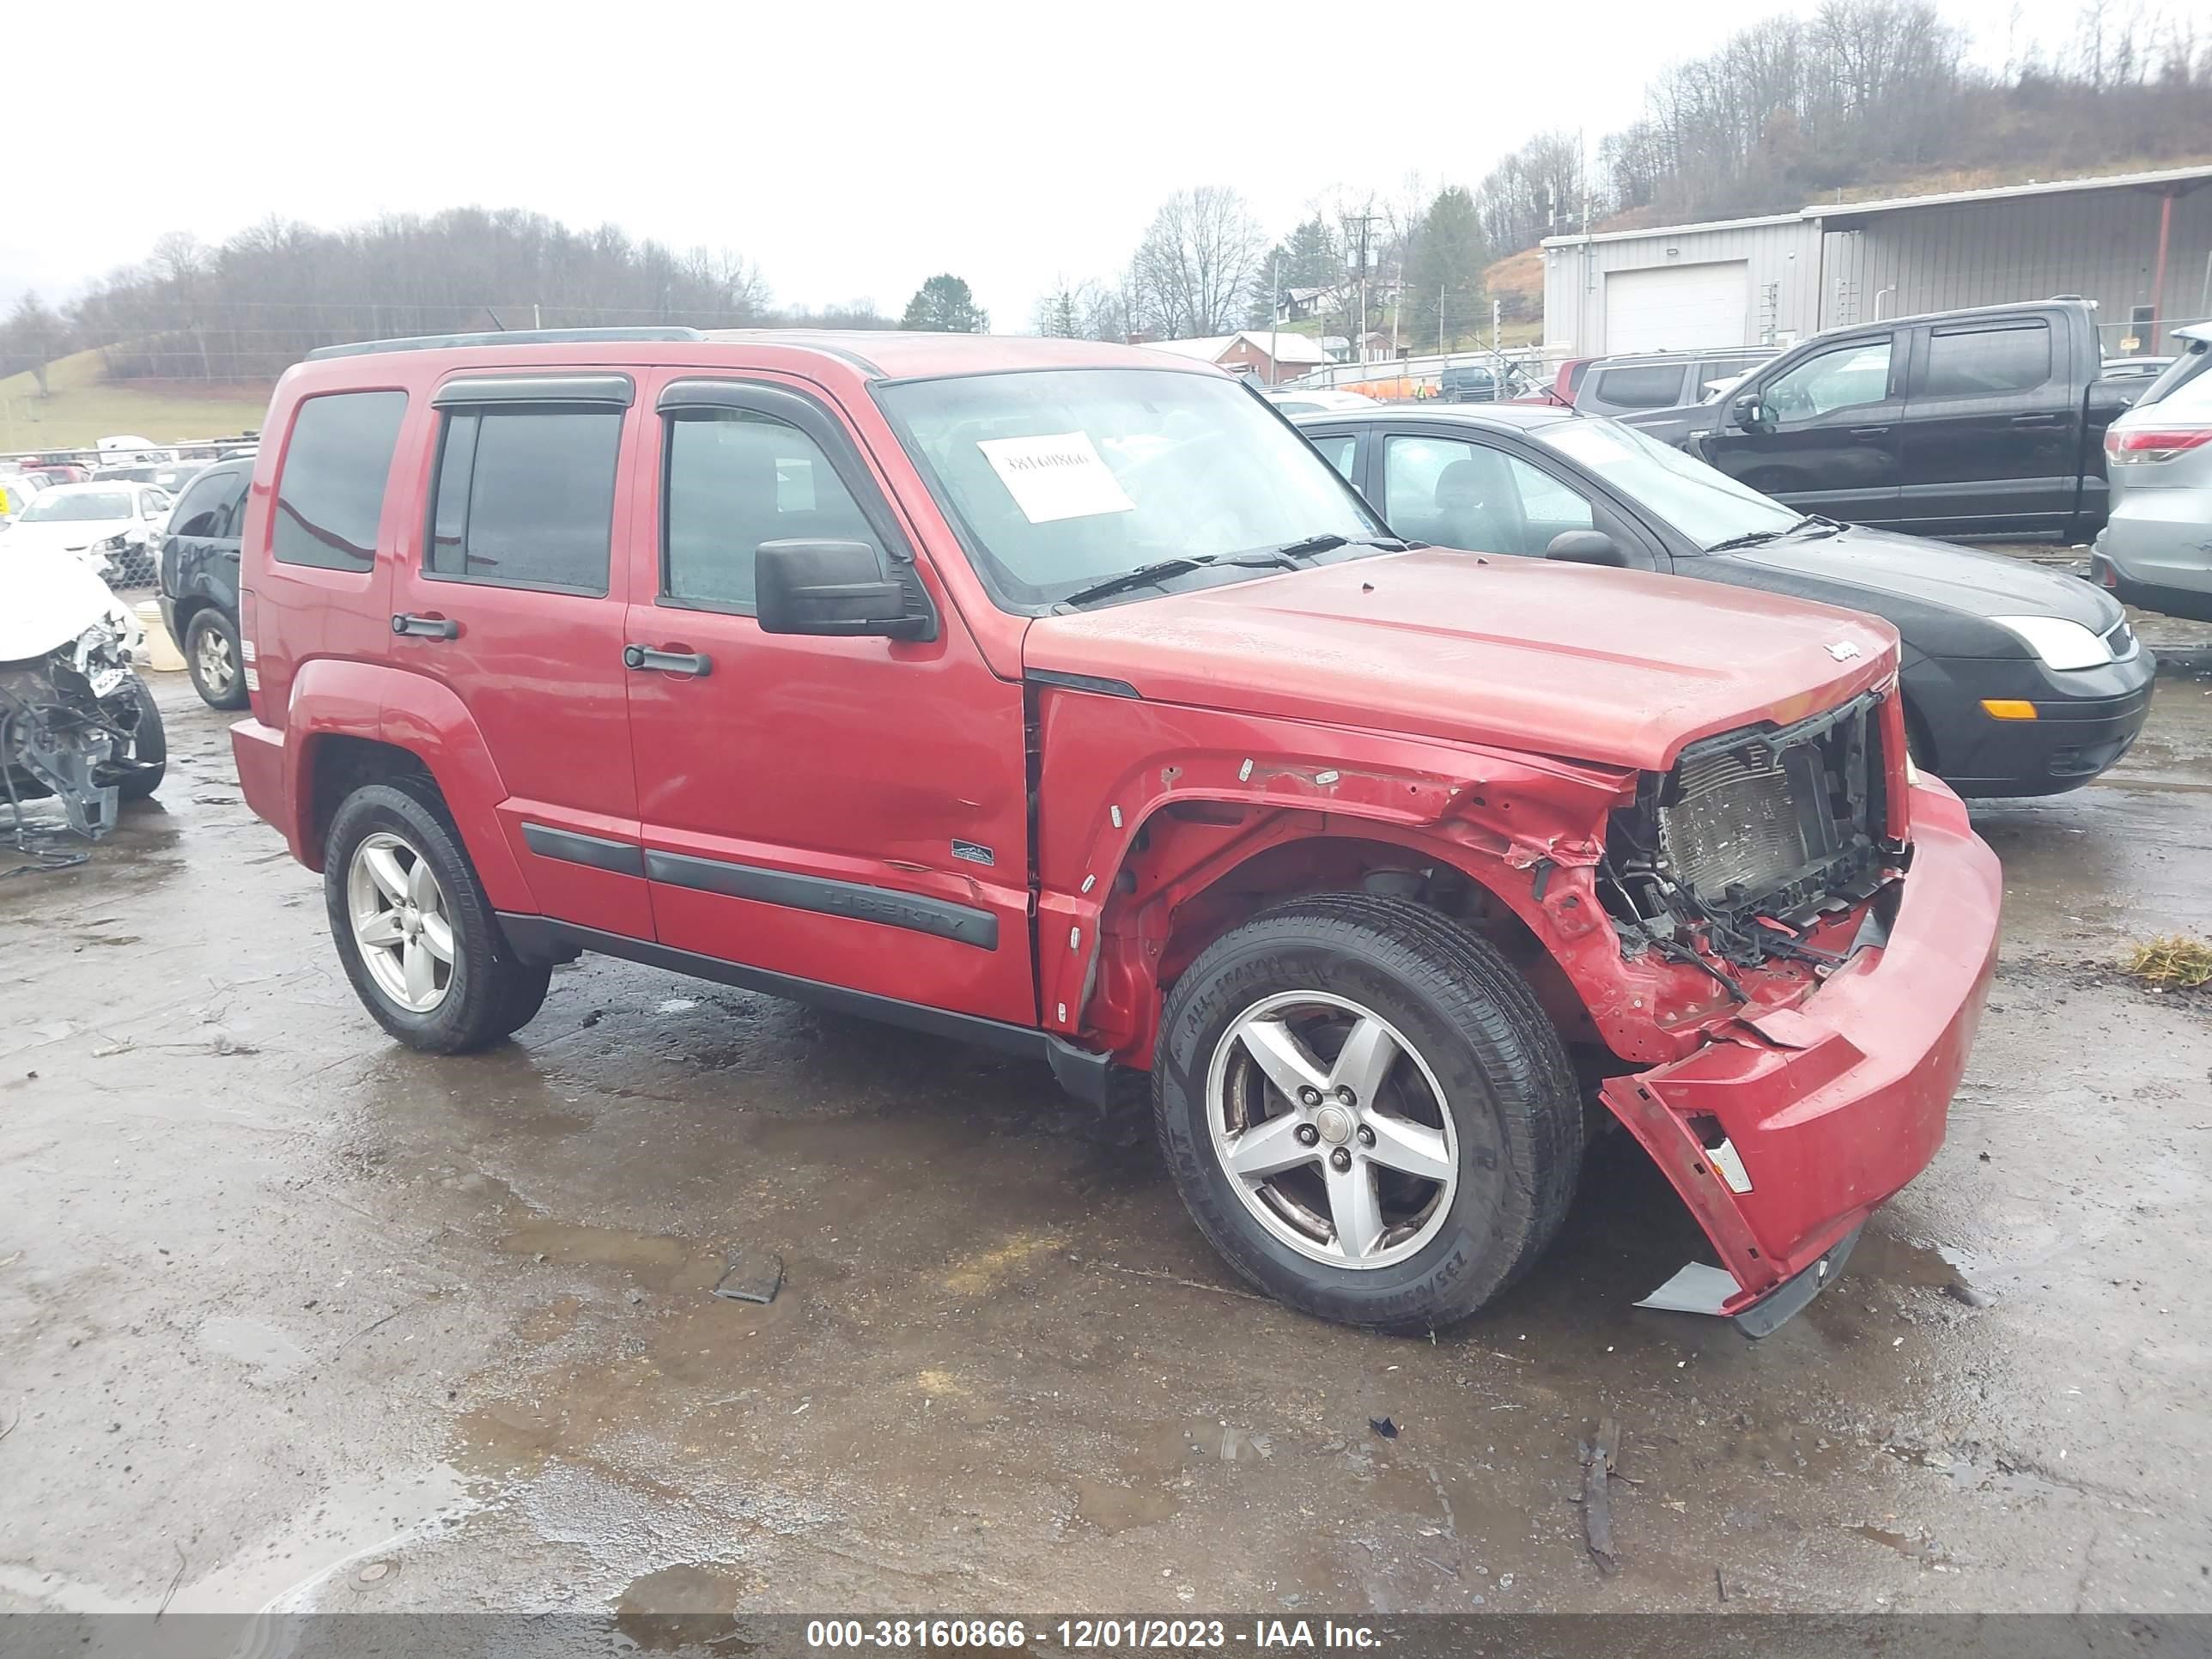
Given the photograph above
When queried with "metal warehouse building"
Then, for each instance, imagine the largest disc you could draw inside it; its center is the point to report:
(2140, 244)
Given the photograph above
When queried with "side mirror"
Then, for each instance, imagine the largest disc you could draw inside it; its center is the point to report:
(835, 588)
(1586, 547)
(1748, 412)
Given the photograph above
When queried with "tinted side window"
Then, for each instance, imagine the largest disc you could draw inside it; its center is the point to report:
(331, 493)
(734, 479)
(1984, 362)
(1650, 387)
(209, 504)
(526, 498)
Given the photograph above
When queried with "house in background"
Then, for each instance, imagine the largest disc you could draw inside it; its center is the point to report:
(1268, 357)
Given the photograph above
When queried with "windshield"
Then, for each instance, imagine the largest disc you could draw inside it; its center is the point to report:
(1058, 479)
(1708, 507)
(75, 509)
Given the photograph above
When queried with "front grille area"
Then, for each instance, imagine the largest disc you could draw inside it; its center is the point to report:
(1733, 824)
(1762, 826)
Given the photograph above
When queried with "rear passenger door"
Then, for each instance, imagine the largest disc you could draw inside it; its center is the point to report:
(1989, 431)
(512, 597)
(850, 811)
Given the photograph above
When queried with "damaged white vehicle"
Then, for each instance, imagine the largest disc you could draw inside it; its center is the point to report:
(76, 722)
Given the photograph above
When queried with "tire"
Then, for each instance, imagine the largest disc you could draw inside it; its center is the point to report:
(1479, 1070)
(149, 746)
(214, 660)
(481, 991)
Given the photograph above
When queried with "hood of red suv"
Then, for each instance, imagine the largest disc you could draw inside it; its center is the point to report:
(1572, 660)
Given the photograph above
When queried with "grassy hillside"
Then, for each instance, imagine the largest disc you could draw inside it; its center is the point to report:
(85, 407)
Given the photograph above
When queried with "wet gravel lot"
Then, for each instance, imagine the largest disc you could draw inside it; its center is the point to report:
(293, 1318)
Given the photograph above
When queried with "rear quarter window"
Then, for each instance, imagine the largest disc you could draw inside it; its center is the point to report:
(331, 493)
(1658, 387)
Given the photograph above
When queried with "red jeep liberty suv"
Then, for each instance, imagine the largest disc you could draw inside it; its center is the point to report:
(1062, 697)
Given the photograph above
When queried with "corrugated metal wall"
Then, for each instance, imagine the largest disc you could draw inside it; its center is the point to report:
(1783, 259)
(2103, 246)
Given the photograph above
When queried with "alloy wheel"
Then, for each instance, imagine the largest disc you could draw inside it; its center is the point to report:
(1332, 1129)
(399, 921)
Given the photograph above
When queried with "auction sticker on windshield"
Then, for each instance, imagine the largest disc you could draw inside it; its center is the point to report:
(1056, 475)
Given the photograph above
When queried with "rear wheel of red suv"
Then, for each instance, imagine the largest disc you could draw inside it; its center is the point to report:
(417, 934)
(1366, 1111)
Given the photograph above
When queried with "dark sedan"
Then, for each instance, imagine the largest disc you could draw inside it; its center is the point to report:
(2017, 680)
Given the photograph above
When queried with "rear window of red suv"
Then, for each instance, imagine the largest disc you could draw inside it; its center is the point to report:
(331, 493)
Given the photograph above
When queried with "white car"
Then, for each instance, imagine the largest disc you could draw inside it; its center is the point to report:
(17, 491)
(1316, 400)
(114, 528)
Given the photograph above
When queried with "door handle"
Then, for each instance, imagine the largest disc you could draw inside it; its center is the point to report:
(646, 657)
(2035, 419)
(1870, 432)
(427, 628)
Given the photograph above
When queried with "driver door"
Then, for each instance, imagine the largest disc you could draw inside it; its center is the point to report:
(1829, 442)
(852, 811)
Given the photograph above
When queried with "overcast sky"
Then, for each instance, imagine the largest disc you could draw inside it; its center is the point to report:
(850, 151)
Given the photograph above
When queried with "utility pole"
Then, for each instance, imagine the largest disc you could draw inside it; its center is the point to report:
(1275, 320)
(1364, 220)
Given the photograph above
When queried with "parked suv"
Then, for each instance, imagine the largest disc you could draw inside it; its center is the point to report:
(2156, 551)
(199, 581)
(1661, 379)
(1061, 697)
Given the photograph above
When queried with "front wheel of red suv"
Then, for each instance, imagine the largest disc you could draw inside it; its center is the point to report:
(1366, 1111)
(417, 934)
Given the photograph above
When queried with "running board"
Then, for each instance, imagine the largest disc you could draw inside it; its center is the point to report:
(1081, 1072)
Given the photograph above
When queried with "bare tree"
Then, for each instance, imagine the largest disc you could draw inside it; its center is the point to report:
(30, 339)
(1198, 265)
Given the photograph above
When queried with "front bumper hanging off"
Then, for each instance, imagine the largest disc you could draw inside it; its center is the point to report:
(1784, 1134)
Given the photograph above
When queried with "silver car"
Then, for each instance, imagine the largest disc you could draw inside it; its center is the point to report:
(2155, 551)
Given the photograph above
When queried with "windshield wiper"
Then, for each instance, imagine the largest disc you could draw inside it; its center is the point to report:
(1329, 541)
(1143, 576)
(1283, 557)
(1760, 537)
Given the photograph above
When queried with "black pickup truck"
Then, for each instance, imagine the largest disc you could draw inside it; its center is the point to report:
(1982, 422)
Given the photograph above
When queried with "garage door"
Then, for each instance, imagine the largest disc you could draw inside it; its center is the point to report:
(1677, 307)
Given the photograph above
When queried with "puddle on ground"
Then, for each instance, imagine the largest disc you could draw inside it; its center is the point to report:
(661, 1261)
(1114, 1509)
(263, 1349)
(315, 1559)
(1877, 1256)
(1921, 1549)
(688, 1609)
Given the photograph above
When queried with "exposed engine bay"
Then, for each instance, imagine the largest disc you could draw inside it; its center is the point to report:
(1754, 838)
(75, 721)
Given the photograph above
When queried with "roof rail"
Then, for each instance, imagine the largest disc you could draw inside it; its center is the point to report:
(513, 336)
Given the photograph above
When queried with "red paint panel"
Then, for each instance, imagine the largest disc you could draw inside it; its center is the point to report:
(1833, 1127)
